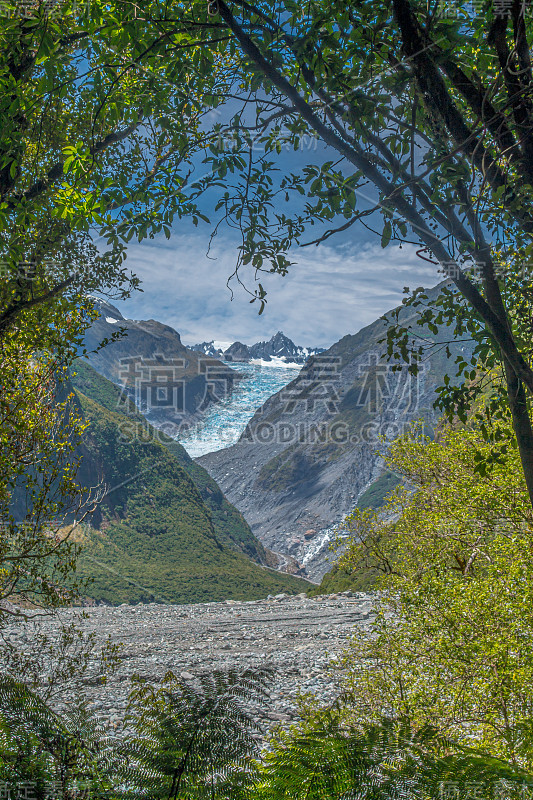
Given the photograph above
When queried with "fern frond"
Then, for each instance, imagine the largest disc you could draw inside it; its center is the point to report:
(380, 762)
(44, 747)
(193, 737)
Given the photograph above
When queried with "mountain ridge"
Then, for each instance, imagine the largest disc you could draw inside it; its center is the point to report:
(278, 347)
(172, 384)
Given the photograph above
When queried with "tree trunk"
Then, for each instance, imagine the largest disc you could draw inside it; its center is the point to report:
(521, 424)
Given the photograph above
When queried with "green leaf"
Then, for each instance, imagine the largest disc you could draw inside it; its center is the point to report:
(386, 235)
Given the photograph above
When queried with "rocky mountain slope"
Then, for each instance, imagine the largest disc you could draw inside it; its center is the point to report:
(278, 347)
(169, 382)
(162, 531)
(313, 450)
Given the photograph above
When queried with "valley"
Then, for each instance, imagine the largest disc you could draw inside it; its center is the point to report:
(161, 529)
(315, 448)
(292, 448)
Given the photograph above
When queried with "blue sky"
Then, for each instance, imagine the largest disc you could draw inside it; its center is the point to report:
(334, 289)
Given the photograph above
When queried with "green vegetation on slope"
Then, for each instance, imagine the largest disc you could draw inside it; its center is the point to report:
(342, 580)
(375, 495)
(154, 538)
(230, 526)
(453, 646)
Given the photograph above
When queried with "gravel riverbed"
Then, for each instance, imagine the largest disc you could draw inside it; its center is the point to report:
(296, 636)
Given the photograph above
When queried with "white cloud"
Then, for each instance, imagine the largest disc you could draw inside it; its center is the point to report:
(331, 291)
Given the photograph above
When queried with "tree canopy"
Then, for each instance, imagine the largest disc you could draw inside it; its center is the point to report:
(425, 113)
(101, 112)
(102, 109)
(451, 644)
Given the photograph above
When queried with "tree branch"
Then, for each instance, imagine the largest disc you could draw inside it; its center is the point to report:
(7, 317)
(435, 94)
(356, 157)
(55, 172)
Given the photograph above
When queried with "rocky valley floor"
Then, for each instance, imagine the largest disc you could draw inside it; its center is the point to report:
(297, 636)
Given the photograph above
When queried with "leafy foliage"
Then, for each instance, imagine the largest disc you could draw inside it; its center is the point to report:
(40, 490)
(102, 111)
(325, 760)
(192, 739)
(451, 644)
(195, 738)
(48, 750)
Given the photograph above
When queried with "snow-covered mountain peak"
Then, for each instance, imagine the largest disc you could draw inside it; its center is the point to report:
(278, 349)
